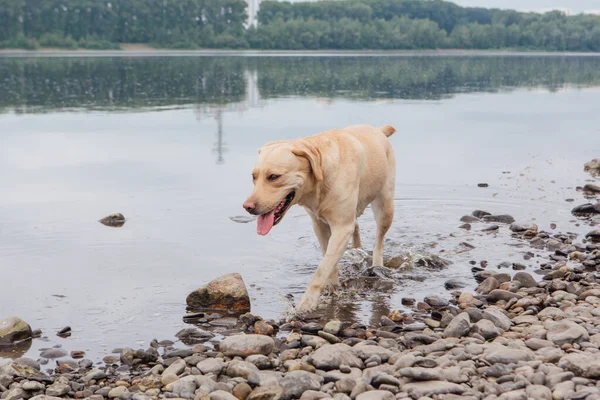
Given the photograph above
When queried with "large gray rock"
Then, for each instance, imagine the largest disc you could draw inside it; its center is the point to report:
(225, 293)
(497, 317)
(487, 329)
(566, 331)
(507, 355)
(525, 279)
(459, 326)
(297, 382)
(331, 356)
(175, 368)
(14, 330)
(581, 364)
(247, 345)
(241, 369)
(367, 351)
(211, 366)
(57, 389)
(551, 313)
(183, 388)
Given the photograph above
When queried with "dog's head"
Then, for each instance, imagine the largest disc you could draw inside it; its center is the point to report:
(284, 172)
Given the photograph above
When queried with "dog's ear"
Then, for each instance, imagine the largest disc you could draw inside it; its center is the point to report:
(313, 155)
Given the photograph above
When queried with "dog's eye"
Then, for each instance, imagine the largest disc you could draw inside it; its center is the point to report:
(272, 177)
(253, 177)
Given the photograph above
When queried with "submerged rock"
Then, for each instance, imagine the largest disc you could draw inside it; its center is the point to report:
(225, 293)
(114, 220)
(14, 330)
(504, 219)
(592, 167)
(586, 209)
(591, 188)
(594, 235)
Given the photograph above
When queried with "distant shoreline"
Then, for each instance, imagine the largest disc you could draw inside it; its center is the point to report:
(144, 51)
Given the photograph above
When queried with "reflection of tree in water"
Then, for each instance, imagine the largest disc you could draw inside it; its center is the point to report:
(252, 99)
(219, 147)
(238, 83)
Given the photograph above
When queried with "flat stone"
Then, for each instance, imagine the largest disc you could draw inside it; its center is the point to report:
(552, 313)
(549, 354)
(367, 351)
(504, 295)
(581, 364)
(117, 392)
(53, 353)
(504, 219)
(332, 356)
(507, 355)
(536, 344)
(211, 366)
(246, 345)
(241, 369)
(430, 388)
(33, 386)
(566, 331)
(421, 374)
(57, 389)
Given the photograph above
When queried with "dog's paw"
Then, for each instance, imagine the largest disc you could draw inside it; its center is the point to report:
(309, 302)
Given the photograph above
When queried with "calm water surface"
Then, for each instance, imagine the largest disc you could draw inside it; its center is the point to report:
(170, 143)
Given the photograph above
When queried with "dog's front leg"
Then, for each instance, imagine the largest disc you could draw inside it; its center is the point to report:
(327, 270)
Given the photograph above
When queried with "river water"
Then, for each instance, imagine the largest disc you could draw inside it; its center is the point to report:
(170, 142)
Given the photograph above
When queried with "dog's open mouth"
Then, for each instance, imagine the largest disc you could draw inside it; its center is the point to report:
(266, 221)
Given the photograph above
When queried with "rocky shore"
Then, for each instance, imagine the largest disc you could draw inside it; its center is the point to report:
(519, 335)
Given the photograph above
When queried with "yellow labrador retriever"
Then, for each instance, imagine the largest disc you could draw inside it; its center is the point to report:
(334, 175)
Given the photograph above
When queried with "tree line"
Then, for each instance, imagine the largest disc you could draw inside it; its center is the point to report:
(329, 24)
(101, 83)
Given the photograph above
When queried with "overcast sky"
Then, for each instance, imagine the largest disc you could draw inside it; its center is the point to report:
(575, 6)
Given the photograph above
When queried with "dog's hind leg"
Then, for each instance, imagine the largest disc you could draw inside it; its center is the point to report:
(356, 243)
(383, 209)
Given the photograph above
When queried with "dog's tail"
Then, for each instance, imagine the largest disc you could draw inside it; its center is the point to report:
(388, 130)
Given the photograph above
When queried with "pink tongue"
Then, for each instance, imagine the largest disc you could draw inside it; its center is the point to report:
(265, 223)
